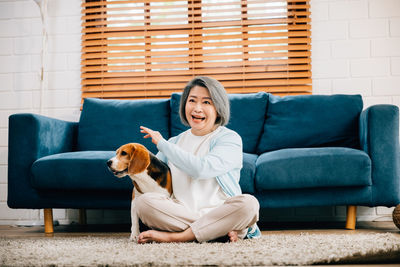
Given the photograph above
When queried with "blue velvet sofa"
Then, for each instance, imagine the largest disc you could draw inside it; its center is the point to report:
(299, 151)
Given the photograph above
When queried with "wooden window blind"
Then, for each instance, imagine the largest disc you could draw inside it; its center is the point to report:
(152, 48)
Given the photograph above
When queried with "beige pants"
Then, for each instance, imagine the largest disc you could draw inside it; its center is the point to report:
(166, 214)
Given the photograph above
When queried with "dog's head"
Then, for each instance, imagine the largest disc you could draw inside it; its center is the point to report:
(130, 159)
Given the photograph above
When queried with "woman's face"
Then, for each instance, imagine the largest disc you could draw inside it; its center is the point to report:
(200, 111)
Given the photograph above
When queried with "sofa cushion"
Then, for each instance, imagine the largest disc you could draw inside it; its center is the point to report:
(247, 117)
(247, 173)
(108, 124)
(312, 167)
(77, 171)
(177, 126)
(311, 121)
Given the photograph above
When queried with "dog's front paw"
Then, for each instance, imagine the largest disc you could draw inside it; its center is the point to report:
(134, 238)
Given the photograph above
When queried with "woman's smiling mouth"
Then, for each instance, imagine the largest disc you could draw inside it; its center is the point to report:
(198, 118)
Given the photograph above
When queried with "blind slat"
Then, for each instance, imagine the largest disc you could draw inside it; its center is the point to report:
(180, 85)
(193, 52)
(199, 45)
(188, 58)
(165, 16)
(266, 63)
(236, 35)
(199, 72)
(119, 37)
(197, 25)
(156, 79)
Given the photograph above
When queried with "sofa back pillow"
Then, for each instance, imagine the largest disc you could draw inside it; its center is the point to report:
(108, 124)
(311, 121)
(177, 126)
(247, 117)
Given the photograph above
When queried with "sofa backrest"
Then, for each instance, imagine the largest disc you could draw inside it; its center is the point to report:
(265, 122)
(108, 124)
(247, 117)
(311, 121)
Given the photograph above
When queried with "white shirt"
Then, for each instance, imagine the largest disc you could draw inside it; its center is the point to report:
(200, 195)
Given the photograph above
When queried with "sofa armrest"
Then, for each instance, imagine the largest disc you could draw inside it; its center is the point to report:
(379, 137)
(30, 138)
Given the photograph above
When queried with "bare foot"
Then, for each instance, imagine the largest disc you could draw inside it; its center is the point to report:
(163, 237)
(233, 236)
(153, 235)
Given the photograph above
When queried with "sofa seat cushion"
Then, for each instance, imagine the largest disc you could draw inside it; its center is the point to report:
(247, 173)
(311, 121)
(108, 124)
(247, 117)
(77, 171)
(312, 167)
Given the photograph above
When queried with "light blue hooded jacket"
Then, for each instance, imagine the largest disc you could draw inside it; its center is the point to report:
(225, 154)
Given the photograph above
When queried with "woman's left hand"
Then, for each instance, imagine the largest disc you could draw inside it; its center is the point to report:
(154, 135)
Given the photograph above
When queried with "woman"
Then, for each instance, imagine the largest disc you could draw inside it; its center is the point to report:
(205, 163)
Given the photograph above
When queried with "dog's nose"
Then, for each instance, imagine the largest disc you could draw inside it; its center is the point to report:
(109, 162)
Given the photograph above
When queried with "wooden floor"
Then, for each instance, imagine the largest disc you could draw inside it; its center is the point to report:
(267, 229)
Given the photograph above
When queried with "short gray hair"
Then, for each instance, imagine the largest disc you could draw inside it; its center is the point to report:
(218, 96)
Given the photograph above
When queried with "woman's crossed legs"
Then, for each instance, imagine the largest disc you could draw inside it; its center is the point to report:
(175, 223)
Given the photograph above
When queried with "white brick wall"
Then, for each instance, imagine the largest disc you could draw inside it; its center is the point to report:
(20, 66)
(355, 50)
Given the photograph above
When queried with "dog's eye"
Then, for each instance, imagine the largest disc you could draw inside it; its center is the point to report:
(123, 153)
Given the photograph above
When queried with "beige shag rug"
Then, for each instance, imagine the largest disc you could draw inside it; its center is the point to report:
(270, 249)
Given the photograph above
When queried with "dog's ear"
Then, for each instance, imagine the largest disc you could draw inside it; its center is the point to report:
(140, 160)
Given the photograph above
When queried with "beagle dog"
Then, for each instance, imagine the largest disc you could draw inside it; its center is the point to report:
(148, 173)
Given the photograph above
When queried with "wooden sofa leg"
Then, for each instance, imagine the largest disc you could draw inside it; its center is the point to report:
(48, 221)
(351, 217)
